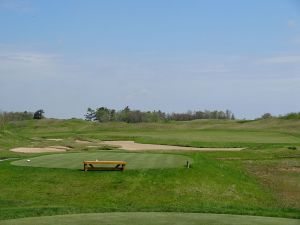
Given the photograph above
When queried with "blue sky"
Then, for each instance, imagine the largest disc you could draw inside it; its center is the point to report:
(64, 56)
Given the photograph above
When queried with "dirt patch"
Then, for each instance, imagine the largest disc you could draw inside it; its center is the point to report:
(132, 146)
(39, 150)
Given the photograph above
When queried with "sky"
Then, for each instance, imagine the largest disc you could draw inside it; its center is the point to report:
(64, 56)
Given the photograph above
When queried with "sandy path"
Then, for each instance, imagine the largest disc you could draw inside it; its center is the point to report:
(40, 150)
(132, 146)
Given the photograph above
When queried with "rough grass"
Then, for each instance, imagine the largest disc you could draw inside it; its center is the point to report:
(152, 219)
(280, 176)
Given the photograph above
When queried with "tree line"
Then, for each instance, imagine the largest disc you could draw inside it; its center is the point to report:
(6, 117)
(289, 116)
(15, 116)
(104, 114)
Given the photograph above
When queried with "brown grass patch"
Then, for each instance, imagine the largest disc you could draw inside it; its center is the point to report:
(279, 176)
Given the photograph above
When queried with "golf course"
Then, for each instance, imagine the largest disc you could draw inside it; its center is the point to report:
(131, 112)
(177, 172)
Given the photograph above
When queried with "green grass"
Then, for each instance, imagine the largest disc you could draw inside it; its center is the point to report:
(202, 133)
(152, 219)
(261, 180)
(134, 160)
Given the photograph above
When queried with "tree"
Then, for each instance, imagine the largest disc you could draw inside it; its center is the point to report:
(90, 115)
(291, 116)
(112, 116)
(232, 117)
(103, 114)
(266, 116)
(38, 114)
(124, 114)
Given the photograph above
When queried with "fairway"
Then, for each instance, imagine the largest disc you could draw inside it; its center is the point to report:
(152, 219)
(134, 160)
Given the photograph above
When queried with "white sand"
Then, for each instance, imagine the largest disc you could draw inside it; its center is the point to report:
(54, 139)
(125, 145)
(83, 142)
(59, 147)
(132, 146)
(39, 150)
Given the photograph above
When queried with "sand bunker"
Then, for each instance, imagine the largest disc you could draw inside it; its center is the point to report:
(83, 142)
(40, 150)
(54, 139)
(132, 146)
(59, 147)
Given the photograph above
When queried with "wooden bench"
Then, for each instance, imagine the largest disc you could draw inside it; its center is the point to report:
(89, 165)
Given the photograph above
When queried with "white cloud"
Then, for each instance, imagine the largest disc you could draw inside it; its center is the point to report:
(26, 64)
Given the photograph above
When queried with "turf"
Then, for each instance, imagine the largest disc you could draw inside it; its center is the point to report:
(262, 180)
(134, 160)
(152, 219)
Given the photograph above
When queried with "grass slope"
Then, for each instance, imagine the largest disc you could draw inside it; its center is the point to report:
(134, 160)
(152, 219)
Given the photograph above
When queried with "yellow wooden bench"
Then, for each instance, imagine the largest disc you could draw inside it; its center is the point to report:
(89, 165)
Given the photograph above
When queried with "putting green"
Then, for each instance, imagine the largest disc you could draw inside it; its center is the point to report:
(152, 218)
(134, 160)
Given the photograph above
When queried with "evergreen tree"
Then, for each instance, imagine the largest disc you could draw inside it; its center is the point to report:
(38, 114)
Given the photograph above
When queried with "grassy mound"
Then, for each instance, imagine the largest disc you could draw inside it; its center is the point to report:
(134, 160)
(151, 219)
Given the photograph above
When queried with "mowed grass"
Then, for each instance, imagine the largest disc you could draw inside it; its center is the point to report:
(134, 160)
(153, 218)
(215, 186)
(262, 180)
